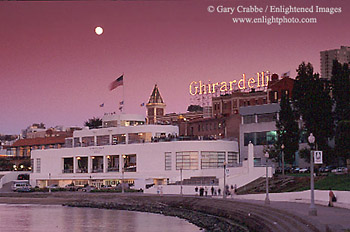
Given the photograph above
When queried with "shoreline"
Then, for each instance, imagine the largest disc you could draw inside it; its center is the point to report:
(210, 214)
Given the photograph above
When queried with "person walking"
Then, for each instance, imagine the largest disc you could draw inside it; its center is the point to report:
(206, 191)
(332, 198)
(212, 190)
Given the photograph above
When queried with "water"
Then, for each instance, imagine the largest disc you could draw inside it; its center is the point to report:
(43, 218)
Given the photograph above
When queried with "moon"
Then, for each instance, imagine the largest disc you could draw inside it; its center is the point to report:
(98, 30)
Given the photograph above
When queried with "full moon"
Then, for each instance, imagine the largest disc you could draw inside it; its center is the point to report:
(98, 30)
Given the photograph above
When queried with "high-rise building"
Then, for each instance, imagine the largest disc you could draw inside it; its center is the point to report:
(327, 57)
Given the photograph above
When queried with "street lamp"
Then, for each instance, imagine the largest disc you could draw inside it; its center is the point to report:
(267, 200)
(312, 210)
(224, 192)
(124, 156)
(49, 182)
(282, 147)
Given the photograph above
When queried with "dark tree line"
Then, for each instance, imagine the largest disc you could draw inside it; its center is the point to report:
(323, 106)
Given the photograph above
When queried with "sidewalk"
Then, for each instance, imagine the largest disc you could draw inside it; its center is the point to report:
(321, 197)
(336, 218)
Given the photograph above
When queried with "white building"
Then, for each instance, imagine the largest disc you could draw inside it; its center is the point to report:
(327, 57)
(139, 154)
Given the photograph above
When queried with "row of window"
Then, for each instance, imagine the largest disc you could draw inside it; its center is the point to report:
(96, 164)
(227, 105)
(260, 138)
(209, 159)
(105, 139)
(259, 118)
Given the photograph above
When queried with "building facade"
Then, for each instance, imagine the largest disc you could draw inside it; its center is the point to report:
(138, 155)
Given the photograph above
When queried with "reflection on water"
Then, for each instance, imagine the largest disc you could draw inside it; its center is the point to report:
(37, 218)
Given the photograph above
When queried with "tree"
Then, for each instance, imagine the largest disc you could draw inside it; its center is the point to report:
(93, 123)
(287, 130)
(194, 108)
(342, 139)
(312, 101)
(340, 84)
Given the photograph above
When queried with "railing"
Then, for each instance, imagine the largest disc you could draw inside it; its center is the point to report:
(67, 171)
(97, 170)
(113, 169)
(81, 170)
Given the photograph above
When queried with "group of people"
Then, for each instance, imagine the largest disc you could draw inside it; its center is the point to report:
(203, 191)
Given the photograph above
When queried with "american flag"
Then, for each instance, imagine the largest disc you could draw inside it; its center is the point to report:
(116, 83)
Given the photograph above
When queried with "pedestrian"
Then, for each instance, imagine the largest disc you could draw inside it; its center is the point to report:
(201, 191)
(206, 191)
(212, 190)
(332, 198)
(219, 191)
(196, 190)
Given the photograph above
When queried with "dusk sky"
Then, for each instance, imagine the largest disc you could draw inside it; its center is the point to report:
(54, 68)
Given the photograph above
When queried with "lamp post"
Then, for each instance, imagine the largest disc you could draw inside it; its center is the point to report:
(224, 192)
(267, 199)
(49, 182)
(282, 147)
(181, 181)
(312, 209)
(124, 156)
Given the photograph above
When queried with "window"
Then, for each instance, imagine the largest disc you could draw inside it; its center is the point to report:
(187, 160)
(102, 140)
(118, 139)
(76, 142)
(38, 165)
(97, 164)
(167, 160)
(113, 163)
(260, 138)
(271, 137)
(88, 141)
(212, 159)
(232, 159)
(67, 165)
(69, 143)
(266, 117)
(140, 137)
(129, 163)
(247, 119)
(82, 165)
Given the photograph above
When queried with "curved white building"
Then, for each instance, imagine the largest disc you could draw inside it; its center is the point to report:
(139, 154)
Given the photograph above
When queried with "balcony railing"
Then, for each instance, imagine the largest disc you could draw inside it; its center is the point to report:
(82, 170)
(67, 171)
(113, 169)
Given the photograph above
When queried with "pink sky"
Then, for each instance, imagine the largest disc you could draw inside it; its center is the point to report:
(56, 70)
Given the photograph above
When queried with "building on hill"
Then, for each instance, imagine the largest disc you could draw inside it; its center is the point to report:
(278, 87)
(22, 148)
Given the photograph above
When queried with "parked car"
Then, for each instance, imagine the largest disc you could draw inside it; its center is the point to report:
(329, 168)
(304, 170)
(340, 170)
(20, 184)
(24, 189)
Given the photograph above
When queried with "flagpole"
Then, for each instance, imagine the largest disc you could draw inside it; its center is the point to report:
(123, 95)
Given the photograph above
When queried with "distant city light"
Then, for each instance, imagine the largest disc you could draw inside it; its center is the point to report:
(98, 30)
